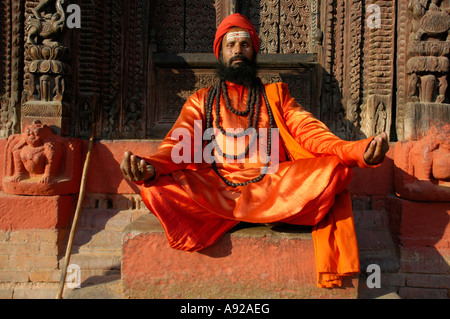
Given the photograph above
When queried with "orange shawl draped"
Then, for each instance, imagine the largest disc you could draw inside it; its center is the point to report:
(196, 207)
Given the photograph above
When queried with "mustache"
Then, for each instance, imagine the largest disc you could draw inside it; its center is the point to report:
(239, 57)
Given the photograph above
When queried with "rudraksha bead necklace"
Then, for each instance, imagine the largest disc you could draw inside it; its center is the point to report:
(253, 111)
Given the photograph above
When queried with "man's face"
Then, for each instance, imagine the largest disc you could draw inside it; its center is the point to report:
(237, 47)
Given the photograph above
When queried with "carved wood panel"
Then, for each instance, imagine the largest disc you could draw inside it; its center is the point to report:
(12, 63)
(177, 27)
(4, 74)
(173, 86)
(358, 68)
(114, 74)
(111, 73)
(301, 83)
(332, 111)
(168, 21)
(183, 26)
(284, 26)
(189, 27)
(199, 26)
(379, 67)
(3, 43)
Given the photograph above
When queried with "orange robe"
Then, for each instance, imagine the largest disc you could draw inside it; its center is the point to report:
(196, 207)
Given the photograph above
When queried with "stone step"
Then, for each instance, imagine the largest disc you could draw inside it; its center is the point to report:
(107, 286)
(109, 219)
(101, 229)
(257, 261)
(98, 239)
(96, 260)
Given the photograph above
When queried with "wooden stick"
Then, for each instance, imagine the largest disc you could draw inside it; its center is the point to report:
(77, 214)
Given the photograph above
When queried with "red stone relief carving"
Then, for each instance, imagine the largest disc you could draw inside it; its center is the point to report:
(423, 167)
(38, 162)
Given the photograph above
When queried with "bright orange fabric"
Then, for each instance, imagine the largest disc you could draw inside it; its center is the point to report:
(335, 244)
(196, 207)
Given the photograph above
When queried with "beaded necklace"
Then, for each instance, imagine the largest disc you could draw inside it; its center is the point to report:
(253, 111)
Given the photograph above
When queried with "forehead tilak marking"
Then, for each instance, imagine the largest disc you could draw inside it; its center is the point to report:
(237, 35)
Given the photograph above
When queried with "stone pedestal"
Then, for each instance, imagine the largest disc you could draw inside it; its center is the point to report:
(48, 112)
(33, 231)
(253, 262)
(36, 212)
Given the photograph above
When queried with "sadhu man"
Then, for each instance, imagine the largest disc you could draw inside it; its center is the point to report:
(199, 188)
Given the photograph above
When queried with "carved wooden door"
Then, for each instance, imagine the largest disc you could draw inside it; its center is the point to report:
(181, 59)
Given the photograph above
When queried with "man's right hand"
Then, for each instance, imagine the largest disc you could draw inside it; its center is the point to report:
(135, 169)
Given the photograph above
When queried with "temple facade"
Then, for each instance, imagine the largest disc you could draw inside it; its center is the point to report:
(120, 71)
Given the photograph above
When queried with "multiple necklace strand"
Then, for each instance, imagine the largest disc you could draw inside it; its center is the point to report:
(252, 110)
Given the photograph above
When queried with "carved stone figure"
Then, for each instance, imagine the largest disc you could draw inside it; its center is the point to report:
(429, 46)
(85, 118)
(38, 162)
(413, 88)
(442, 89)
(133, 118)
(37, 154)
(434, 22)
(48, 21)
(380, 119)
(423, 167)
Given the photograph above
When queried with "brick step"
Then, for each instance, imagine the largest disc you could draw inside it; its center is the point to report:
(377, 247)
(370, 219)
(385, 258)
(108, 219)
(375, 242)
(94, 250)
(101, 229)
(98, 239)
(248, 262)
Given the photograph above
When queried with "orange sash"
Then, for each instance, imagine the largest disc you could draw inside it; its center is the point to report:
(335, 245)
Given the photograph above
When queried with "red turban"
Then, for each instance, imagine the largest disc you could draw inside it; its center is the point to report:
(230, 22)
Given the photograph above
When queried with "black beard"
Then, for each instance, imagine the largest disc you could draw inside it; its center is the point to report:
(244, 73)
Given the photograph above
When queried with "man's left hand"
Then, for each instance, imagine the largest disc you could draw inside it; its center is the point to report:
(377, 149)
